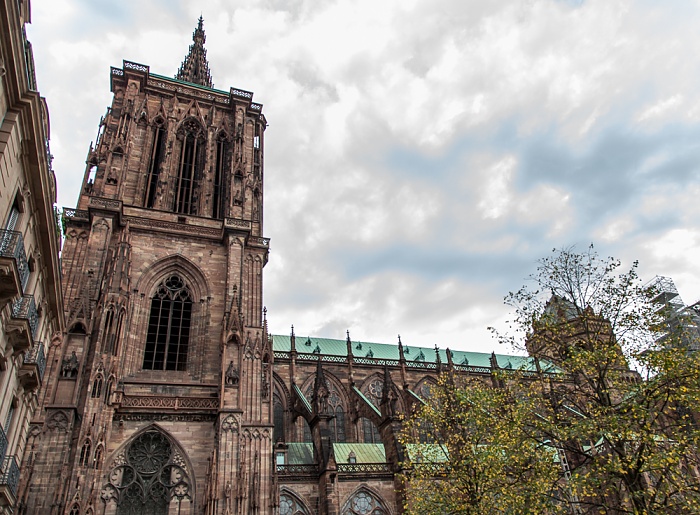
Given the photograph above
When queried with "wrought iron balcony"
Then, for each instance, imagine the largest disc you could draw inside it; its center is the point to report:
(24, 307)
(32, 372)
(9, 481)
(3, 444)
(14, 264)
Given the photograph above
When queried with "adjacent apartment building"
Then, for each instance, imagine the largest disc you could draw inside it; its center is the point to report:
(31, 309)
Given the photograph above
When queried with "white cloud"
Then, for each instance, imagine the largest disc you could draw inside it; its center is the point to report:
(422, 155)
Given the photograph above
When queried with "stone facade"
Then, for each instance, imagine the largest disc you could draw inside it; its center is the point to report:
(31, 311)
(166, 394)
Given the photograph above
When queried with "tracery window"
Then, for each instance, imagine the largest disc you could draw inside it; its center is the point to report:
(364, 503)
(191, 165)
(85, 453)
(168, 335)
(373, 392)
(147, 476)
(157, 153)
(335, 405)
(221, 165)
(96, 387)
(290, 506)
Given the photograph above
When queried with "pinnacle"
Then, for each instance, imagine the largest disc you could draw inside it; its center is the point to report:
(195, 67)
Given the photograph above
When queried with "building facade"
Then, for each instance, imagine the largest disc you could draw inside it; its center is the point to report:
(166, 394)
(31, 310)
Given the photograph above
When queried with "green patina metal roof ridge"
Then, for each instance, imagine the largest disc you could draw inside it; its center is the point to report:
(385, 351)
(191, 84)
(303, 398)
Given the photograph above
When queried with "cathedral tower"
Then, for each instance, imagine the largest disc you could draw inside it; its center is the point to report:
(159, 395)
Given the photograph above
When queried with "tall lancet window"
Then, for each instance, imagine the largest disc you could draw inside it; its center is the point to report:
(191, 136)
(168, 335)
(219, 175)
(157, 153)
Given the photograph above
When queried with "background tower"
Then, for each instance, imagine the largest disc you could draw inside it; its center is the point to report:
(159, 394)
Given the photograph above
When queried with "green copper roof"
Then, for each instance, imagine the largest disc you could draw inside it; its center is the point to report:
(191, 84)
(360, 349)
(364, 452)
(300, 453)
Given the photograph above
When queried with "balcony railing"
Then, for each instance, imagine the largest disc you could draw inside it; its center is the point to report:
(3, 444)
(25, 307)
(10, 475)
(12, 246)
(35, 356)
(364, 468)
(297, 470)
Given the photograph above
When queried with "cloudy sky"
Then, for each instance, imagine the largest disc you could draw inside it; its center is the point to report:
(422, 155)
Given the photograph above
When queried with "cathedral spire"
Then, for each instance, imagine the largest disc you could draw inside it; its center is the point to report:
(195, 67)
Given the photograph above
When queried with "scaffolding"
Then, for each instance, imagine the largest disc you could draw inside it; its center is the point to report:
(681, 320)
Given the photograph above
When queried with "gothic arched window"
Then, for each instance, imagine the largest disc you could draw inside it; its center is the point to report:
(97, 460)
(278, 419)
(335, 406)
(107, 335)
(364, 503)
(168, 335)
(289, 505)
(149, 474)
(96, 387)
(157, 153)
(85, 453)
(370, 431)
(190, 168)
(221, 165)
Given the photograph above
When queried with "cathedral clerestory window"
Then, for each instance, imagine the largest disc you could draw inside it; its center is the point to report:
(168, 336)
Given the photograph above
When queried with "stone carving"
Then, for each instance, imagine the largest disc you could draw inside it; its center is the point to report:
(230, 424)
(58, 422)
(69, 367)
(231, 375)
(265, 381)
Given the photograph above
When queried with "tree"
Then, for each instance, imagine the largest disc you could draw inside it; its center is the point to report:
(475, 462)
(616, 396)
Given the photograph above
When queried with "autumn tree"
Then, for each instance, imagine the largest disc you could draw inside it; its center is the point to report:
(474, 461)
(615, 396)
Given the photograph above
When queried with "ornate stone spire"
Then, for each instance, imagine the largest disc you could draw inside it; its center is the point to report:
(195, 67)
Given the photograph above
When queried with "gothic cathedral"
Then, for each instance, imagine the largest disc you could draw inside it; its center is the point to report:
(166, 394)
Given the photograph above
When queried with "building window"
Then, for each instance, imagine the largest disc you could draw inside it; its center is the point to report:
(290, 506)
(108, 335)
(85, 453)
(370, 431)
(364, 503)
(157, 153)
(219, 175)
(191, 158)
(168, 335)
(150, 475)
(278, 419)
(96, 387)
(98, 457)
(336, 425)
